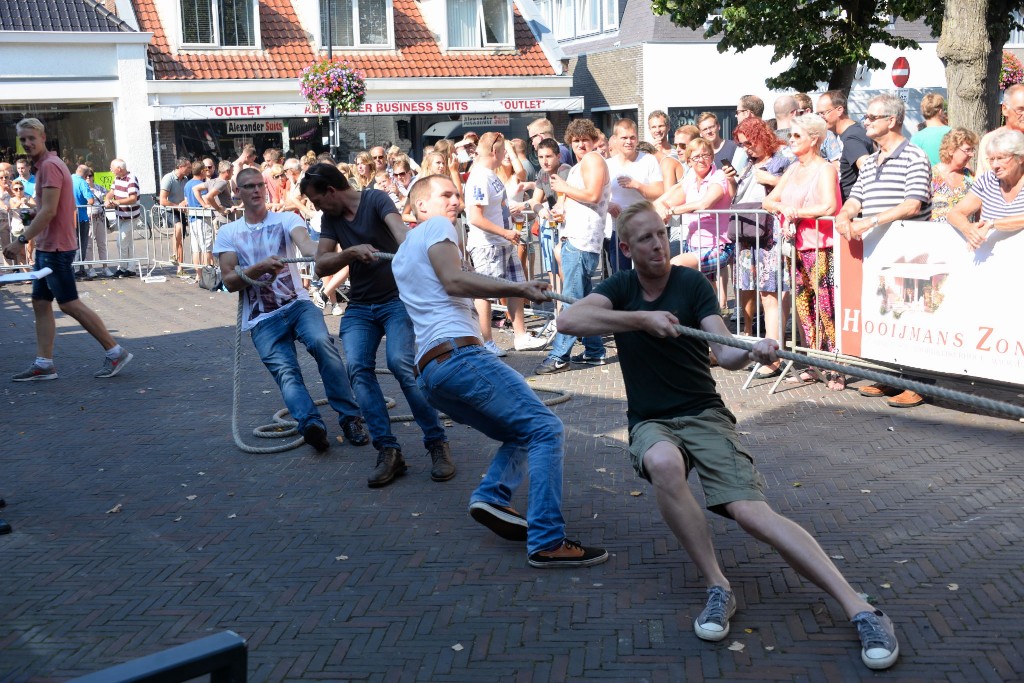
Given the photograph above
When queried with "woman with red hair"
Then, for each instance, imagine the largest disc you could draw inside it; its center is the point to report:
(757, 265)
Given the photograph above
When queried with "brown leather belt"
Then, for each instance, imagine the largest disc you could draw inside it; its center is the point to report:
(443, 351)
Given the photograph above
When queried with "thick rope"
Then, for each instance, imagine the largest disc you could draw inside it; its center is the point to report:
(980, 402)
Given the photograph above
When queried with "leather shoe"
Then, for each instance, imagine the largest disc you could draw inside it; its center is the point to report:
(316, 436)
(441, 455)
(355, 431)
(878, 391)
(390, 464)
(907, 399)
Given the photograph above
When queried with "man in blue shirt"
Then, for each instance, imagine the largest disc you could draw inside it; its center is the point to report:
(83, 199)
(24, 168)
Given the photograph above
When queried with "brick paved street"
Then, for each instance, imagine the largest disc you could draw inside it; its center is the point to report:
(329, 580)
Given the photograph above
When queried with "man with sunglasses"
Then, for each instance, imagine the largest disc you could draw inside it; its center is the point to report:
(854, 139)
(363, 223)
(280, 313)
(894, 184)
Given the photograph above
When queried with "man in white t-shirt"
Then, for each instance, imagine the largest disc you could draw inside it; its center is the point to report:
(585, 195)
(280, 313)
(467, 382)
(491, 242)
(635, 176)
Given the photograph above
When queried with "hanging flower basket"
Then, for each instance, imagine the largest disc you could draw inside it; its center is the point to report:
(1011, 72)
(332, 82)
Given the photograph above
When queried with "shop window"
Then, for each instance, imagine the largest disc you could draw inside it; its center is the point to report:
(224, 23)
(479, 23)
(357, 23)
(570, 19)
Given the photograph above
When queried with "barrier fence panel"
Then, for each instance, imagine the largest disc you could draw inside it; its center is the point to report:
(181, 237)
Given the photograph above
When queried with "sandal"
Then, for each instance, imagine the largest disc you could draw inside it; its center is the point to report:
(836, 381)
(805, 377)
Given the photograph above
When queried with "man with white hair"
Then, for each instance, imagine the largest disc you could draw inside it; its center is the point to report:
(53, 230)
(123, 197)
(894, 184)
(1013, 113)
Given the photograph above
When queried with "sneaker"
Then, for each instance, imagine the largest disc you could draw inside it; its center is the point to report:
(112, 367)
(502, 520)
(36, 374)
(317, 297)
(527, 342)
(355, 431)
(390, 464)
(80, 274)
(550, 366)
(316, 436)
(107, 272)
(584, 359)
(495, 349)
(129, 273)
(879, 648)
(568, 554)
(337, 310)
(713, 622)
(443, 468)
(90, 274)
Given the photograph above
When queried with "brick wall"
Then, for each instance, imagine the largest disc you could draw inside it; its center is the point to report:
(608, 79)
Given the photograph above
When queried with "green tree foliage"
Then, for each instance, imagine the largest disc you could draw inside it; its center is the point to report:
(825, 40)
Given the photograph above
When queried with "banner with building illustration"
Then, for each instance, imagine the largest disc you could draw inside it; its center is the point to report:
(914, 295)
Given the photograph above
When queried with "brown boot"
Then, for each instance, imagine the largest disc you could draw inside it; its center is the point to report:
(441, 455)
(390, 464)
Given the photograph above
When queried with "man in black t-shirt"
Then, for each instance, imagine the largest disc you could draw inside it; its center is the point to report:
(857, 147)
(364, 223)
(678, 422)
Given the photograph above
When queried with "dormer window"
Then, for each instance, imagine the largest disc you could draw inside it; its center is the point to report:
(220, 23)
(357, 23)
(480, 23)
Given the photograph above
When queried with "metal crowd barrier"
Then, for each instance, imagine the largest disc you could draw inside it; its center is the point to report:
(176, 232)
(224, 657)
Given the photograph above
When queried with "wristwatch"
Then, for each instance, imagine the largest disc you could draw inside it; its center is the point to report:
(22, 239)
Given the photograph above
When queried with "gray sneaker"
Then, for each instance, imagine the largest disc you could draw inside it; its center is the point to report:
(713, 622)
(879, 648)
(112, 367)
(36, 374)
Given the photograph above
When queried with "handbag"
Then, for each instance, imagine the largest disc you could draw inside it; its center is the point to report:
(209, 278)
(754, 229)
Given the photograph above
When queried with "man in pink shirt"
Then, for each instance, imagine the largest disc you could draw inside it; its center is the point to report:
(52, 230)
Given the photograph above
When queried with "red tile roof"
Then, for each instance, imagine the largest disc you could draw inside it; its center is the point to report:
(287, 51)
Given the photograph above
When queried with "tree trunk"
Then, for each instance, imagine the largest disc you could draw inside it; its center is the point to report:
(998, 35)
(964, 50)
(841, 78)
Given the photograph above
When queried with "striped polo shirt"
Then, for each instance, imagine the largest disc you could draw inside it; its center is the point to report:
(905, 174)
(125, 187)
(993, 205)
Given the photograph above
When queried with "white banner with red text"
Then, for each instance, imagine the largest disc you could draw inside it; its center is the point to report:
(914, 295)
(213, 112)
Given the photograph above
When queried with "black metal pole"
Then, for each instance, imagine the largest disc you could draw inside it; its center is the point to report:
(332, 120)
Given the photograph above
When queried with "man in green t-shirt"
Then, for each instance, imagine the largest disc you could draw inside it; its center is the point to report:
(678, 422)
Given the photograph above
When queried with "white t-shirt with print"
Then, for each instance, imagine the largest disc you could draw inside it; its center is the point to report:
(254, 243)
(484, 188)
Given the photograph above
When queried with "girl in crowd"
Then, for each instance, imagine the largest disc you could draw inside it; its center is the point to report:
(364, 171)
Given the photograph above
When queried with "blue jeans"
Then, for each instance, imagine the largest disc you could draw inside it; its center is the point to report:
(362, 328)
(476, 389)
(274, 339)
(577, 272)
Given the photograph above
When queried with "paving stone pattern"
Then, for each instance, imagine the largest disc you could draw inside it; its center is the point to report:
(329, 580)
